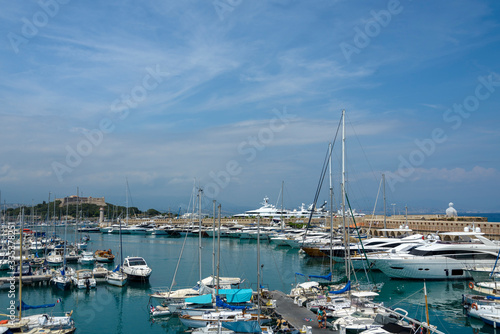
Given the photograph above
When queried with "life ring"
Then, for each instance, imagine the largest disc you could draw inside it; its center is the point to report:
(471, 285)
(473, 306)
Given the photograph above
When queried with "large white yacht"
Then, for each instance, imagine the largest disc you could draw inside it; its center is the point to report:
(269, 210)
(266, 210)
(442, 260)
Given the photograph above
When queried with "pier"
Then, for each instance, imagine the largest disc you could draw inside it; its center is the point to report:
(295, 315)
(29, 279)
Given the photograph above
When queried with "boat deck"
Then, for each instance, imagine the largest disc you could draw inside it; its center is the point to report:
(295, 315)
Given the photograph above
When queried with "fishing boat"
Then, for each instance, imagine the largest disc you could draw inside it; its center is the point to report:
(104, 256)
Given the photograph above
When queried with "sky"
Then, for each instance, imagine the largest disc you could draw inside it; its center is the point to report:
(240, 97)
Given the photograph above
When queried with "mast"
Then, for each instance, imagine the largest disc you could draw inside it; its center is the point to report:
(77, 214)
(213, 243)
(65, 236)
(48, 215)
(331, 213)
(120, 231)
(385, 209)
(218, 253)
(426, 306)
(346, 232)
(406, 216)
(282, 222)
(199, 229)
(21, 265)
(258, 268)
(126, 201)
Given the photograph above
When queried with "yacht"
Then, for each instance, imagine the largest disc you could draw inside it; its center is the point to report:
(442, 260)
(266, 210)
(373, 245)
(136, 268)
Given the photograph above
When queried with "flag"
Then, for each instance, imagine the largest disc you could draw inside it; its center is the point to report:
(58, 300)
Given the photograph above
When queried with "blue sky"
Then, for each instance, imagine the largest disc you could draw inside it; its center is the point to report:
(241, 95)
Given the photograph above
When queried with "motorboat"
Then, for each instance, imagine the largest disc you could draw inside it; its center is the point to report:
(86, 258)
(84, 279)
(136, 268)
(442, 260)
(104, 256)
(54, 259)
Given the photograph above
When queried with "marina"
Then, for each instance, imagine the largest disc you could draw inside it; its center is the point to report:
(280, 265)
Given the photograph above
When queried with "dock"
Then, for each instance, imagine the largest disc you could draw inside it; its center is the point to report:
(28, 279)
(295, 315)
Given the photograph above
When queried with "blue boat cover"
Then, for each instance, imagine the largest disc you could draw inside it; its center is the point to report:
(220, 303)
(492, 297)
(116, 269)
(203, 299)
(25, 306)
(327, 277)
(243, 326)
(237, 295)
(347, 287)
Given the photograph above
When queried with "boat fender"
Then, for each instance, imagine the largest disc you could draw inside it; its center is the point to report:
(474, 306)
(3, 322)
(471, 285)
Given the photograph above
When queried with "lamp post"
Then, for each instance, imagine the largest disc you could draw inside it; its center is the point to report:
(394, 209)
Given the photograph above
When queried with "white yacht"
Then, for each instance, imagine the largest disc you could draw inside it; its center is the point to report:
(442, 260)
(136, 268)
(266, 210)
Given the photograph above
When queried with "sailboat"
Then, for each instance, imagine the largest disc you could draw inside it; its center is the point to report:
(117, 277)
(61, 280)
(231, 317)
(39, 322)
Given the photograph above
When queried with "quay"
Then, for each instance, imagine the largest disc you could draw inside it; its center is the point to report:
(30, 279)
(369, 225)
(295, 315)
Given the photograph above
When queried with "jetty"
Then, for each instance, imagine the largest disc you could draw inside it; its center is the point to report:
(28, 279)
(295, 315)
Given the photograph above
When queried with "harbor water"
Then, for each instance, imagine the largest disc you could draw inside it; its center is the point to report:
(110, 309)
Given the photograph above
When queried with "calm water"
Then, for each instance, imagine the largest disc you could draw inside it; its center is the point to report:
(124, 310)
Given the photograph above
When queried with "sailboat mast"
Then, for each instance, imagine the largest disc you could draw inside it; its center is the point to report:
(77, 214)
(330, 146)
(126, 201)
(282, 222)
(65, 235)
(199, 229)
(218, 253)
(258, 268)
(346, 232)
(213, 243)
(21, 265)
(385, 209)
(426, 306)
